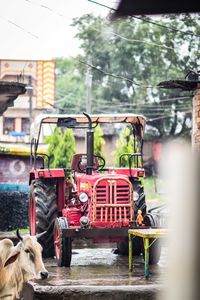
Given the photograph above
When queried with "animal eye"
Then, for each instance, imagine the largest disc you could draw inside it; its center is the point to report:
(27, 251)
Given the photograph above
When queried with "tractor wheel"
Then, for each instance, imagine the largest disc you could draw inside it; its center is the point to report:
(122, 247)
(63, 245)
(155, 248)
(140, 203)
(43, 212)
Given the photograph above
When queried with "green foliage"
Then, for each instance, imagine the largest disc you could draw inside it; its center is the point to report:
(53, 141)
(125, 144)
(61, 148)
(98, 141)
(140, 55)
(70, 86)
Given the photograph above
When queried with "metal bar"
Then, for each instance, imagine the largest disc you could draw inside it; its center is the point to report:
(124, 212)
(115, 199)
(95, 232)
(101, 214)
(130, 253)
(113, 205)
(146, 258)
(120, 214)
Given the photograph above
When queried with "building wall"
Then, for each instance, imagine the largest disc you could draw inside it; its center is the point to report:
(42, 77)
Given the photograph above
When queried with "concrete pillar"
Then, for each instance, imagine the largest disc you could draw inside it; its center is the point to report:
(18, 124)
(196, 121)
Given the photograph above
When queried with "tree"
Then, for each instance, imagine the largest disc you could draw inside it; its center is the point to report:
(61, 148)
(53, 141)
(70, 86)
(65, 150)
(129, 59)
(98, 141)
(125, 144)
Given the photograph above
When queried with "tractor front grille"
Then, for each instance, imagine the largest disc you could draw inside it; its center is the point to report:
(112, 200)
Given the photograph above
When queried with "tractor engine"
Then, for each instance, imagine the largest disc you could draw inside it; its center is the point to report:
(101, 201)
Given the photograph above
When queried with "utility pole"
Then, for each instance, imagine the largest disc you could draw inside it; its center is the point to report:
(30, 94)
(89, 86)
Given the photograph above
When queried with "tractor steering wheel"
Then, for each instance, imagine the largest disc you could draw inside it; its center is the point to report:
(101, 165)
(97, 167)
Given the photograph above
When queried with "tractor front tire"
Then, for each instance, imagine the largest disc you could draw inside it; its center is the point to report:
(43, 212)
(63, 245)
(140, 203)
(122, 247)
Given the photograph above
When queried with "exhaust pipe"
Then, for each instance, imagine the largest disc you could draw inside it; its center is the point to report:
(89, 146)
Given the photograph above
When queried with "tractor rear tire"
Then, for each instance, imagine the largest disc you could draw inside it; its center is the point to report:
(63, 245)
(43, 212)
(152, 220)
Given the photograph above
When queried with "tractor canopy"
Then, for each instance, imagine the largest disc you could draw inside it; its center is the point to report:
(78, 121)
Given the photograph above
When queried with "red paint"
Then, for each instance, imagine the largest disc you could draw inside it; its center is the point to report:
(32, 215)
(48, 173)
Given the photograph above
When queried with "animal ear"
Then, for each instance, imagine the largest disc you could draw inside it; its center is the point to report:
(11, 259)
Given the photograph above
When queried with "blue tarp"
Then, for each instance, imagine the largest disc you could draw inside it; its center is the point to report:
(10, 187)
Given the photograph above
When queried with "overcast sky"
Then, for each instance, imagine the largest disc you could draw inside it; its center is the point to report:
(30, 31)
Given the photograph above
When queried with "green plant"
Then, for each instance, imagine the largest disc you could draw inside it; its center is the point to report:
(53, 141)
(98, 141)
(125, 144)
(61, 148)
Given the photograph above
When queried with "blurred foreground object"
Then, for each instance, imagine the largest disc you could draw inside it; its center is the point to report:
(139, 7)
(180, 167)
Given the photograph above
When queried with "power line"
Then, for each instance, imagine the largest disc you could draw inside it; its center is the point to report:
(163, 117)
(150, 21)
(48, 8)
(140, 41)
(122, 37)
(119, 76)
(19, 27)
(116, 76)
(137, 41)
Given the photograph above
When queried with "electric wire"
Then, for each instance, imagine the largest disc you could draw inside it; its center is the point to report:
(117, 76)
(19, 27)
(47, 8)
(136, 40)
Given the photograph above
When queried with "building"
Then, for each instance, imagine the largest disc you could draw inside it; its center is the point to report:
(40, 96)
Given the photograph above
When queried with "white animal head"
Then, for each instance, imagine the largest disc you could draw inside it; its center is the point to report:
(31, 258)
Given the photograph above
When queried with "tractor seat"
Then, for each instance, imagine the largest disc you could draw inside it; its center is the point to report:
(79, 163)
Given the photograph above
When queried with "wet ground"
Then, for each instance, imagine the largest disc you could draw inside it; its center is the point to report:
(101, 267)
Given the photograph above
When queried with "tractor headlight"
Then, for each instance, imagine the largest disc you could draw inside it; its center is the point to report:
(83, 197)
(135, 196)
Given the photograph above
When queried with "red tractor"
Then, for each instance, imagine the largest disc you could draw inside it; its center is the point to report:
(89, 200)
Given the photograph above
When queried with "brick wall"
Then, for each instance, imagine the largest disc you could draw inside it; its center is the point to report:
(196, 121)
